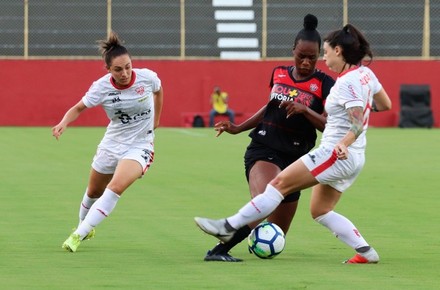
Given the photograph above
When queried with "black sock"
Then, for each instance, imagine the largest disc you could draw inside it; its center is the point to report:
(240, 235)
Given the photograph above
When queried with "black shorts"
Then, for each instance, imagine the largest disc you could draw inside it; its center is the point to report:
(259, 152)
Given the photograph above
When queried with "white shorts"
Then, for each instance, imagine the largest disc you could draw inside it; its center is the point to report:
(106, 160)
(328, 169)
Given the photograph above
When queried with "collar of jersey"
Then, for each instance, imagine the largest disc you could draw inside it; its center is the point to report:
(349, 70)
(133, 78)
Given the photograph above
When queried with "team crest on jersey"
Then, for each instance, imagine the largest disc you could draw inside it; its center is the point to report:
(140, 90)
(313, 87)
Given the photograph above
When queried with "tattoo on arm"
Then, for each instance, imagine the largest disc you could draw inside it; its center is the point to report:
(356, 117)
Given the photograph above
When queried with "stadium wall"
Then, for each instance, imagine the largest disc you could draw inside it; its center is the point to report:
(38, 92)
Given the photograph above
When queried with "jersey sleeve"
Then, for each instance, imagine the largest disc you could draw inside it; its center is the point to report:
(156, 82)
(153, 78)
(92, 98)
(350, 95)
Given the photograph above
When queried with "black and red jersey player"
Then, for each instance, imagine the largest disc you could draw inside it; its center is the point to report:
(294, 134)
(283, 130)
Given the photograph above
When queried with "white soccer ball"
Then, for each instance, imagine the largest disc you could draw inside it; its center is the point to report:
(266, 240)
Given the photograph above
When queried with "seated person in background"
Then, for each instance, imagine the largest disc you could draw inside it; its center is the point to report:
(219, 101)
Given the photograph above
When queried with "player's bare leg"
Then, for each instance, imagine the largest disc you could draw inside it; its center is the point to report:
(126, 173)
(323, 201)
(294, 178)
(97, 184)
(260, 175)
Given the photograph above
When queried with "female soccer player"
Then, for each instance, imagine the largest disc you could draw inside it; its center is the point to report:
(282, 135)
(132, 99)
(334, 165)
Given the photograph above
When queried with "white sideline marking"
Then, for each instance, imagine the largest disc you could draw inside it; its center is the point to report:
(191, 132)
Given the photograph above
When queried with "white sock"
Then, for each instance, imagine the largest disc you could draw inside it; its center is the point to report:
(85, 206)
(98, 212)
(343, 229)
(258, 208)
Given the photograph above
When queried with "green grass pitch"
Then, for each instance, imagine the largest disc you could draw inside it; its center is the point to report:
(151, 242)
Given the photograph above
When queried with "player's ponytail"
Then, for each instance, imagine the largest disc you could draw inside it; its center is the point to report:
(355, 47)
(111, 47)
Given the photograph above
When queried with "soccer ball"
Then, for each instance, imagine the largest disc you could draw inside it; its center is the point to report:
(266, 240)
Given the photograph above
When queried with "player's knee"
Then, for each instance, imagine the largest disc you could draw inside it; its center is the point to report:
(317, 212)
(94, 192)
(280, 184)
(117, 187)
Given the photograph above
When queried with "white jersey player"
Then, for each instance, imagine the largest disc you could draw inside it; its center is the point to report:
(131, 114)
(333, 166)
(354, 88)
(132, 100)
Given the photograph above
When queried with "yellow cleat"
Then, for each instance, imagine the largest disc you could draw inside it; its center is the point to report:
(72, 243)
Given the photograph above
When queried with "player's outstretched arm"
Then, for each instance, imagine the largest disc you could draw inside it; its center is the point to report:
(252, 122)
(70, 116)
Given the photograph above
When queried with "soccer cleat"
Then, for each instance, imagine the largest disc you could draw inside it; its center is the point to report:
(72, 243)
(369, 257)
(216, 228)
(90, 235)
(220, 257)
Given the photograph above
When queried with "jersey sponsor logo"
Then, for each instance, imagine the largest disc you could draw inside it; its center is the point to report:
(115, 93)
(126, 119)
(281, 75)
(293, 93)
(285, 93)
(142, 99)
(115, 100)
(283, 90)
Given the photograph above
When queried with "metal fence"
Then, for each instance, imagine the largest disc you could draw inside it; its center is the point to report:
(217, 29)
